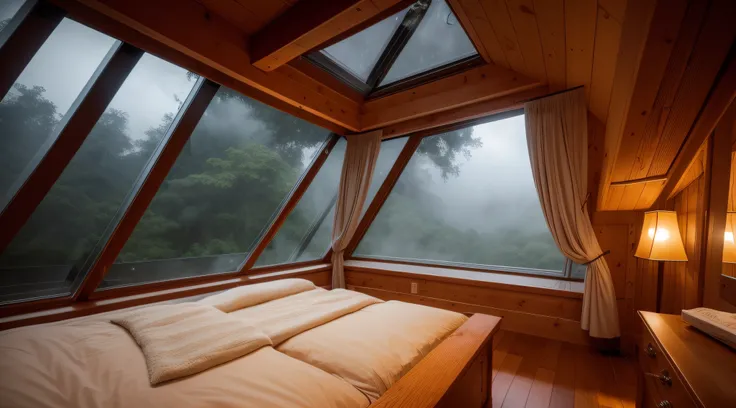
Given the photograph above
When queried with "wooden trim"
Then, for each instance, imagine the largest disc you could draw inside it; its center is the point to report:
(319, 275)
(720, 99)
(122, 291)
(459, 266)
(150, 180)
(71, 133)
(291, 203)
(465, 19)
(639, 181)
(477, 110)
(191, 29)
(21, 39)
(425, 385)
(517, 283)
(388, 184)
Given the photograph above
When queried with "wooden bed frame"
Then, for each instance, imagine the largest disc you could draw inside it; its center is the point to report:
(457, 373)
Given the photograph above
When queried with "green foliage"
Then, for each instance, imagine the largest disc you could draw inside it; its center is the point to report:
(232, 176)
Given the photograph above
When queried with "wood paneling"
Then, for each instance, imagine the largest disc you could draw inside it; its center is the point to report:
(540, 325)
(580, 39)
(607, 39)
(679, 65)
(682, 284)
(250, 16)
(476, 85)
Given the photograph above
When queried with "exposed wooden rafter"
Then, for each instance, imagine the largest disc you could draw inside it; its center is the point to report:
(476, 85)
(308, 25)
(672, 52)
(720, 99)
(188, 27)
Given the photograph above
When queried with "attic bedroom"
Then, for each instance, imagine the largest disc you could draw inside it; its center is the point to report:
(368, 203)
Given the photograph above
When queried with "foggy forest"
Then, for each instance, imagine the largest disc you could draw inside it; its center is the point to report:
(466, 196)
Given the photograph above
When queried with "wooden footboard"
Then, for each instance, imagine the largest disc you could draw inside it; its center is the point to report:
(457, 373)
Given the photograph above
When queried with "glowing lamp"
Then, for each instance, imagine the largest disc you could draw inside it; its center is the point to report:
(729, 247)
(660, 238)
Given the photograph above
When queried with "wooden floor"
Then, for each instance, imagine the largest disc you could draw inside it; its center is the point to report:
(534, 372)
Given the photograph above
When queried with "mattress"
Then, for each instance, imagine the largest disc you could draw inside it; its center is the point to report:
(344, 362)
(97, 364)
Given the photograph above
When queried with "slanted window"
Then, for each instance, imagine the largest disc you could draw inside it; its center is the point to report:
(307, 232)
(401, 50)
(233, 176)
(467, 197)
(41, 97)
(51, 253)
(8, 8)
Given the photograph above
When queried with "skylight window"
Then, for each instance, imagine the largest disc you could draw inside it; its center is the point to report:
(400, 50)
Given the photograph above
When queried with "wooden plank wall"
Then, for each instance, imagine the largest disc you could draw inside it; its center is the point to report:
(682, 280)
(548, 316)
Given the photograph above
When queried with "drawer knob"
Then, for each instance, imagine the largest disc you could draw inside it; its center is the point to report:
(664, 404)
(650, 351)
(664, 377)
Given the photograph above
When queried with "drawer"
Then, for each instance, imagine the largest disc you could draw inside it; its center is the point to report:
(660, 380)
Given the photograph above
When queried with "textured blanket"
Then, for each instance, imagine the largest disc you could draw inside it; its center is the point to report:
(184, 339)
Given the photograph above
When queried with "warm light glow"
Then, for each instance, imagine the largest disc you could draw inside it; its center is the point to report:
(729, 246)
(662, 234)
(728, 237)
(660, 238)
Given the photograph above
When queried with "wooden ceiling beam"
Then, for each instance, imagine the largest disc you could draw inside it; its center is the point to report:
(190, 28)
(476, 85)
(721, 98)
(464, 113)
(634, 46)
(307, 25)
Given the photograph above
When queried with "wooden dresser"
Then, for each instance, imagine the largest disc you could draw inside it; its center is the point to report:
(683, 368)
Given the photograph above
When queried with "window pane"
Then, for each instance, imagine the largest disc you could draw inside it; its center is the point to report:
(439, 40)
(307, 232)
(8, 8)
(42, 95)
(48, 256)
(312, 211)
(239, 165)
(467, 196)
(359, 53)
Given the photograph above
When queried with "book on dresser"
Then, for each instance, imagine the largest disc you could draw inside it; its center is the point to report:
(682, 367)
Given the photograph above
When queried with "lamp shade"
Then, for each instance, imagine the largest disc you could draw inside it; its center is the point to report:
(729, 247)
(660, 238)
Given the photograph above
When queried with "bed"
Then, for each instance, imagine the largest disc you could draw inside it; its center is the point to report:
(327, 349)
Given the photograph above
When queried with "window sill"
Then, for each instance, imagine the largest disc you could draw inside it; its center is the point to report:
(518, 283)
(86, 308)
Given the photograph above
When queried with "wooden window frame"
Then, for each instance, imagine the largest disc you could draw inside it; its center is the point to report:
(69, 135)
(34, 21)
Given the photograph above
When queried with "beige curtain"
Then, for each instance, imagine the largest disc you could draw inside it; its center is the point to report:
(357, 172)
(557, 135)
